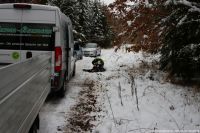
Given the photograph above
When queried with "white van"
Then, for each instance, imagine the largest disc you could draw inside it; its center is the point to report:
(28, 30)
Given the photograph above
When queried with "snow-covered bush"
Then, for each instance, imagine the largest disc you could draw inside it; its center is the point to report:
(181, 50)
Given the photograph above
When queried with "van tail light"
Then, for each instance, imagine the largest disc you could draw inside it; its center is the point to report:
(58, 59)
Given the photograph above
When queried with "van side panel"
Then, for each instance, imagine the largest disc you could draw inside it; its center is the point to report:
(60, 41)
(71, 45)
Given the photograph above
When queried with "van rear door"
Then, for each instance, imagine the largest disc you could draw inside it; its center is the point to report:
(7, 54)
(25, 33)
(38, 24)
(21, 41)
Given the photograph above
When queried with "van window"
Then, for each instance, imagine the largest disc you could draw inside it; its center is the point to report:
(71, 35)
(26, 36)
(76, 46)
(67, 36)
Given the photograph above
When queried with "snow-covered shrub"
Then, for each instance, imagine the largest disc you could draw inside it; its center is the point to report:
(181, 50)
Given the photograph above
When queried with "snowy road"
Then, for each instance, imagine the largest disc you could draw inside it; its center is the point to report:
(53, 114)
(131, 96)
(56, 111)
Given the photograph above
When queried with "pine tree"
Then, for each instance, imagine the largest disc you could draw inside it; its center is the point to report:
(84, 23)
(87, 18)
(71, 9)
(100, 30)
(107, 31)
(97, 20)
(181, 52)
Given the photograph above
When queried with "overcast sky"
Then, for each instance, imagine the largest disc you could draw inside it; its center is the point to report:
(107, 1)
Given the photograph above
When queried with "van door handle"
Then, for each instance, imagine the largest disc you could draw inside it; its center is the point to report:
(69, 48)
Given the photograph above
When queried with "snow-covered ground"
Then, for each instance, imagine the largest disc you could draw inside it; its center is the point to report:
(131, 96)
(52, 115)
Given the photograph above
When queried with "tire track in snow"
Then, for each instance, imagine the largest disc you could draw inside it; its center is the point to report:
(82, 114)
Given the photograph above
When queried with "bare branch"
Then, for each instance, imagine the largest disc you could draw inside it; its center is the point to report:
(134, 90)
(120, 93)
(132, 85)
(111, 108)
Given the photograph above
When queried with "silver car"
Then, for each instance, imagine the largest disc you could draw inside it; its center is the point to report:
(91, 49)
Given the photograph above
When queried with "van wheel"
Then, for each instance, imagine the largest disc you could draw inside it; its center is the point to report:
(74, 71)
(62, 90)
(33, 128)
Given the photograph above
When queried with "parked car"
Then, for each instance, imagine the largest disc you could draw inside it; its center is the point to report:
(91, 49)
(78, 50)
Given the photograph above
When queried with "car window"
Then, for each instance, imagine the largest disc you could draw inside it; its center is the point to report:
(76, 47)
(91, 45)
